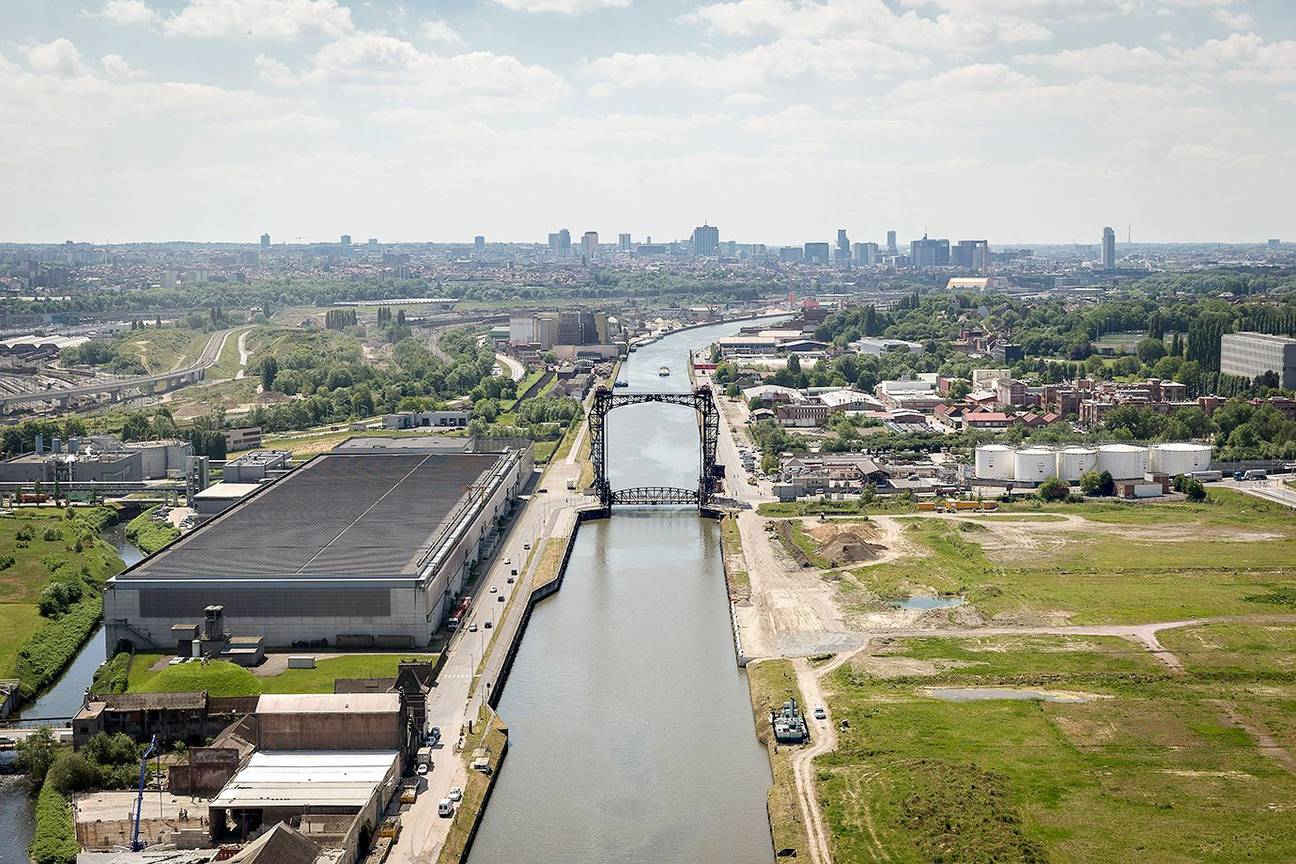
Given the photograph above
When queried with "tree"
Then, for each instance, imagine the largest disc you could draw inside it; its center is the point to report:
(269, 369)
(36, 754)
(1106, 484)
(1150, 350)
(794, 364)
(1053, 489)
(1089, 482)
(1194, 489)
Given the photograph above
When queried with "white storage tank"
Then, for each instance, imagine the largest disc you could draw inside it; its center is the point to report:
(994, 462)
(1123, 461)
(1180, 457)
(1034, 465)
(1073, 462)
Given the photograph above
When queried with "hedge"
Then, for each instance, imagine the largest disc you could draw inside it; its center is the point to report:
(55, 839)
(49, 650)
(113, 676)
(147, 534)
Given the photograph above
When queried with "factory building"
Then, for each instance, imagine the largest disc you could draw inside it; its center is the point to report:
(357, 548)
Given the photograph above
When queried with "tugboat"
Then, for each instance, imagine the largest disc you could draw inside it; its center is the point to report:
(789, 724)
(664, 371)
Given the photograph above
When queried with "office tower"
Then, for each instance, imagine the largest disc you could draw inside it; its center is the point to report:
(346, 241)
(623, 242)
(560, 243)
(973, 254)
(169, 279)
(265, 242)
(790, 253)
(843, 247)
(1275, 244)
(373, 242)
(891, 243)
(1253, 354)
(729, 249)
(1109, 249)
(479, 244)
(589, 245)
(706, 241)
(864, 254)
(816, 253)
(929, 253)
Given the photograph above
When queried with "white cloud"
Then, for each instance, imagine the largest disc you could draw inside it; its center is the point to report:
(1100, 59)
(785, 60)
(261, 19)
(745, 98)
(126, 12)
(59, 57)
(294, 121)
(564, 7)
(395, 67)
(440, 31)
(1234, 20)
(116, 66)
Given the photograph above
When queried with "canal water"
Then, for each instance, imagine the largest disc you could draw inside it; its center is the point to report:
(630, 727)
(17, 820)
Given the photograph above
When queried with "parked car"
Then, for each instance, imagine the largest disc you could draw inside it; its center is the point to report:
(455, 793)
(472, 628)
(488, 625)
(445, 808)
(820, 713)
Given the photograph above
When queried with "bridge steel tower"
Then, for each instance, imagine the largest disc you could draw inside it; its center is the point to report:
(699, 400)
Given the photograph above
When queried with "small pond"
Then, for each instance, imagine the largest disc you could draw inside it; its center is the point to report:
(924, 603)
(978, 694)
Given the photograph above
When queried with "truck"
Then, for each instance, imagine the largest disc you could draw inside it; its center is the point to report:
(571, 484)
(459, 612)
(1253, 474)
(1206, 476)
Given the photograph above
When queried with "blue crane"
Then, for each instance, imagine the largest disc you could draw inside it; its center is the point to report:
(136, 845)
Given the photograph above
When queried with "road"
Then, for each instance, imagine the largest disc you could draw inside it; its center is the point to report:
(515, 369)
(210, 354)
(1271, 489)
(550, 512)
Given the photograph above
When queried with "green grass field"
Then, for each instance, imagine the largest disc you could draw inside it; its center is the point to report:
(227, 364)
(1125, 564)
(161, 349)
(220, 678)
(1152, 768)
(21, 583)
(773, 682)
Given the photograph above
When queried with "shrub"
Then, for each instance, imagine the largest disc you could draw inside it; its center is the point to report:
(6, 561)
(1194, 489)
(48, 650)
(54, 841)
(1053, 489)
(114, 675)
(51, 535)
(36, 754)
(24, 533)
(73, 772)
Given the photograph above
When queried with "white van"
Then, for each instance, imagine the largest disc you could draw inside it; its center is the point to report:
(445, 808)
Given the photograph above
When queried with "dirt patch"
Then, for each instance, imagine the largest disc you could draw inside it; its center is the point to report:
(1265, 742)
(887, 667)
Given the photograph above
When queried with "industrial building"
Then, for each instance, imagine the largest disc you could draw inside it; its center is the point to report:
(997, 462)
(1253, 354)
(357, 548)
(257, 466)
(99, 459)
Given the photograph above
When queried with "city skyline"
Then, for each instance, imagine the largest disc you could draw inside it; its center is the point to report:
(781, 121)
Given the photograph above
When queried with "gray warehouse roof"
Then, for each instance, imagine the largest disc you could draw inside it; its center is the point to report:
(352, 515)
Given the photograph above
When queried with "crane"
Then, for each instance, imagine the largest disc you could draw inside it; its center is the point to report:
(136, 845)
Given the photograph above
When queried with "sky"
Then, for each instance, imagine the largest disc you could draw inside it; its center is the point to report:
(780, 121)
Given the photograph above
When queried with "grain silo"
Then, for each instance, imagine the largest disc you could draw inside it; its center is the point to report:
(1073, 462)
(994, 462)
(1034, 465)
(1123, 461)
(1179, 457)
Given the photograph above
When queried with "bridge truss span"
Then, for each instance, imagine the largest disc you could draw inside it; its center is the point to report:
(605, 400)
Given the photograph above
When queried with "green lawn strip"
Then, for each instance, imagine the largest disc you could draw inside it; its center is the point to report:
(525, 384)
(23, 581)
(773, 682)
(227, 364)
(148, 535)
(543, 451)
(735, 561)
(1147, 770)
(222, 678)
(491, 733)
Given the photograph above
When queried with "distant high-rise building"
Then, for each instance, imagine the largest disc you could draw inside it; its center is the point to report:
(265, 242)
(1275, 243)
(843, 247)
(891, 243)
(816, 253)
(479, 244)
(169, 279)
(790, 253)
(1109, 249)
(346, 241)
(929, 253)
(706, 241)
(373, 242)
(623, 242)
(974, 254)
(560, 243)
(864, 254)
(589, 245)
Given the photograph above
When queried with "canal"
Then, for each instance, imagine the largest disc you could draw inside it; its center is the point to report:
(630, 726)
(56, 705)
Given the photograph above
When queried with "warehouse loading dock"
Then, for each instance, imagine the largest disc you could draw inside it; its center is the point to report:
(353, 542)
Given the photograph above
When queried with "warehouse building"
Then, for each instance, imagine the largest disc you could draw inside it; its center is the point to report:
(1253, 354)
(357, 548)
